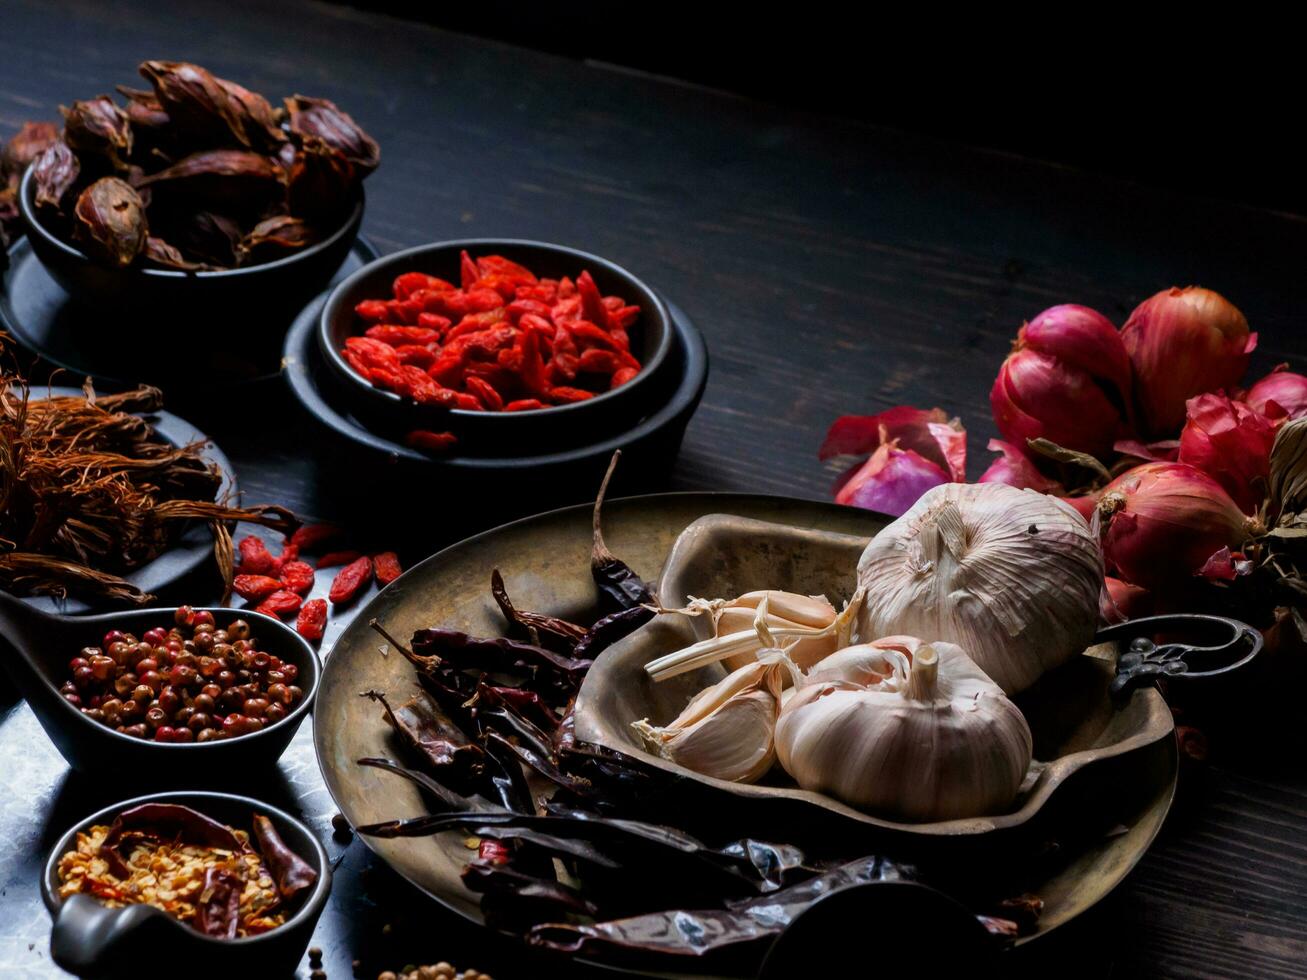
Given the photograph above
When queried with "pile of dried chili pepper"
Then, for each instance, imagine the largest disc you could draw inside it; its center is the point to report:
(503, 340)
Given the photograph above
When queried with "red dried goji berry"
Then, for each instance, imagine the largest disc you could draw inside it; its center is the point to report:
(297, 576)
(339, 558)
(524, 405)
(309, 536)
(520, 307)
(622, 375)
(467, 270)
(281, 603)
(374, 353)
(433, 321)
(563, 368)
(598, 361)
(357, 363)
(497, 265)
(396, 334)
(372, 310)
(255, 559)
(485, 391)
(254, 587)
(289, 552)
(565, 394)
(408, 283)
(592, 302)
(386, 566)
(350, 581)
(312, 620)
(419, 357)
(434, 442)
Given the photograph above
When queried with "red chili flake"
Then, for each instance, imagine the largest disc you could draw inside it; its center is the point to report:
(309, 536)
(254, 587)
(338, 558)
(565, 394)
(524, 405)
(280, 604)
(350, 580)
(387, 567)
(432, 442)
(255, 557)
(297, 576)
(311, 623)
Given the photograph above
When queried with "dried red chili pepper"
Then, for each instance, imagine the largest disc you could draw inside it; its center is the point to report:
(297, 576)
(255, 587)
(255, 559)
(311, 622)
(334, 558)
(386, 566)
(280, 604)
(350, 580)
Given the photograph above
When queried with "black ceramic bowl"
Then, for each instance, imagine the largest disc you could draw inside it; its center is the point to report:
(138, 941)
(39, 665)
(501, 433)
(170, 298)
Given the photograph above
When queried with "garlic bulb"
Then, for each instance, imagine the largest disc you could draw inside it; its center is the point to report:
(784, 610)
(1011, 575)
(908, 730)
(727, 730)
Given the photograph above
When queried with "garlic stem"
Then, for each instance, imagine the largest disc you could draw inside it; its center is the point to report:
(923, 674)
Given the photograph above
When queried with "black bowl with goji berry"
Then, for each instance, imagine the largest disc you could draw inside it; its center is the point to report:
(488, 347)
(165, 695)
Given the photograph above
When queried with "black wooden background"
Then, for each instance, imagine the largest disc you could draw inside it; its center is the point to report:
(833, 267)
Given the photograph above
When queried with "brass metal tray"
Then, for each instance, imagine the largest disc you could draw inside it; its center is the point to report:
(544, 560)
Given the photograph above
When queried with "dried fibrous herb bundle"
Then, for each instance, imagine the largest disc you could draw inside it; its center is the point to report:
(88, 493)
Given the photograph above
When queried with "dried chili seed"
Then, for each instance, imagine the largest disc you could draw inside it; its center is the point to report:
(350, 580)
(255, 559)
(254, 587)
(309, 536)
(339, 558)
(297, 576)
(312, 620)
(435, 442)
(387, 567)
(280, 604)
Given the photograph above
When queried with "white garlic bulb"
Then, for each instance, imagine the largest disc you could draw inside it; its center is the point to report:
(727, 730)
(785, 610)
(907, 730)
(1011, 575)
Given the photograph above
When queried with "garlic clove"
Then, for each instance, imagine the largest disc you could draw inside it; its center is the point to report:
(804, 651)
(727, 730)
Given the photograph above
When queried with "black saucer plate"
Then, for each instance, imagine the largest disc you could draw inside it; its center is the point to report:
(120, 352)
(305, 372)
(191, 550)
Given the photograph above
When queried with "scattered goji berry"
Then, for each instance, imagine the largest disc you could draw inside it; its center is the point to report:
(290, 552)
(434, 442)
(311, 623)
(280, 604)
(309, 536)
(297, 576)
(255, 559)
(386, 566)
(255, 587)
(350, 581)
(338, 558)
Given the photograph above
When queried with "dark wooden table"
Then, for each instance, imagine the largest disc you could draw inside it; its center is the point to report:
(832, 267)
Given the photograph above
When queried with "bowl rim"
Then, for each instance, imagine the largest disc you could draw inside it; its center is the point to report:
(308, 908)
(338, 365)
(37, 229)
(293, 717)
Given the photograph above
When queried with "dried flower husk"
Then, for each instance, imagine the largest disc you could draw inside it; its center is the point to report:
(258, 119)
(1163, 521)
(98, 128)
(26, 145)
(198, 104)
(320, 181)
(202, 236)
(1012, 576)
(911, 730)
(54, 172)
(726, 730)
(232, 181)
(275, 237)
(111, 224)
(1288, 471)
(323, 120)
(165, 256)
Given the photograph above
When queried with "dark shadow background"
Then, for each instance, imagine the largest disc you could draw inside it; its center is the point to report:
(1201, 103)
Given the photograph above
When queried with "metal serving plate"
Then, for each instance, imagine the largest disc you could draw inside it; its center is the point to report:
(545, 562)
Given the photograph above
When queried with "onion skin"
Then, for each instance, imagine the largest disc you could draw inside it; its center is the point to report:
(1067, 380)
(1182, 343)
(890, 481)
(1121, 601)
(1230, 442)
(1281, 394)
(1163, 521)
(1015, 469)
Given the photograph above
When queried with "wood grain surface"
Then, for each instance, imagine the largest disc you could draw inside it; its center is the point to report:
(832, 268)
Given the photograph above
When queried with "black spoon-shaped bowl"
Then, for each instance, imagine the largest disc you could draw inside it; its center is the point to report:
(91, 940)
(44, 643)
